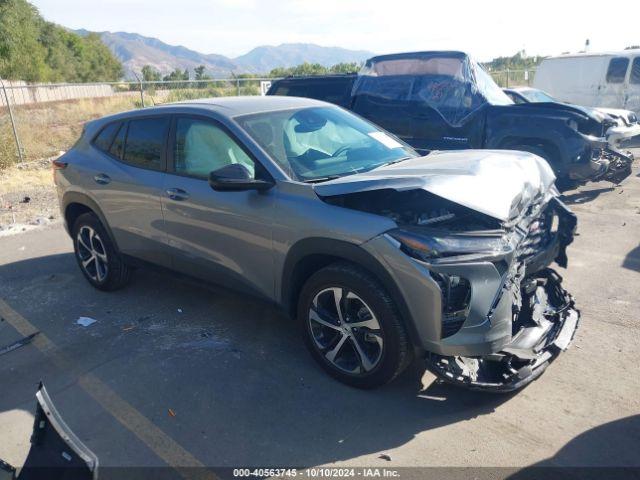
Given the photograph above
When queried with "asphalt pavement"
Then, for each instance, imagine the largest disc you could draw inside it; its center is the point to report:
(181, 374)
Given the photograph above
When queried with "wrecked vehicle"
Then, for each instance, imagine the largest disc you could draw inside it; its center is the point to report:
(624, 123)
(445, 100)
(377, 251)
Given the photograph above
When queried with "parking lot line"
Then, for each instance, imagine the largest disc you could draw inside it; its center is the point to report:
(144, 429)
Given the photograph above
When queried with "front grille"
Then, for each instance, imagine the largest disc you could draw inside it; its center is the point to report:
(538, 237)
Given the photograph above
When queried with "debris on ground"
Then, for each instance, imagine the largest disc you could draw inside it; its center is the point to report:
(25, 199)
(179, 310)
(85, 321)
(126, 329)
(172, 413)
(384, 456)
(20, 343)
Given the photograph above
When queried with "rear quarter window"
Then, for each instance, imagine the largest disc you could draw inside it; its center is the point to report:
(104, 139)
(145, 142)
(617, 70)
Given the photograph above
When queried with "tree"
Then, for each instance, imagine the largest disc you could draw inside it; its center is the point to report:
(34, 50)
(200, 73)
(177, 75)
(22, 56)
(150, 74)
(352, 67)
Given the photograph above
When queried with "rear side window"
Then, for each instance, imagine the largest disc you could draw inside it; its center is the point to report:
(104, 139)
(617, 70)
(635, 71)
(118, 142)
(145, 142)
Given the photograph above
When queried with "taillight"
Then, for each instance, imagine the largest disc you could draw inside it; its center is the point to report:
(57, 164)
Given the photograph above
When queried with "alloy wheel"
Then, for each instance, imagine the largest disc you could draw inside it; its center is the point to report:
(346, 331)
(92, 254)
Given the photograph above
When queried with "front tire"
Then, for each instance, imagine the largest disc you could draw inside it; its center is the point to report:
(352, 327)
(98, 258)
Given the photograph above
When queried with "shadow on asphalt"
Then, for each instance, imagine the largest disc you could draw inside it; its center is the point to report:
(602, 452)
(632, 260)
(585, 196)
(261, 396)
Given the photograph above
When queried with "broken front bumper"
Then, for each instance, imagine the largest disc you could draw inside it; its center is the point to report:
(545, 322)
(606, 162)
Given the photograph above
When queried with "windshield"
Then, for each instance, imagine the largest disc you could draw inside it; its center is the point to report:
(536, 96)
(319, 143)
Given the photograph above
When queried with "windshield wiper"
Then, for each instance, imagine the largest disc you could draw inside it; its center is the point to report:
(393, 162)
(322, 179)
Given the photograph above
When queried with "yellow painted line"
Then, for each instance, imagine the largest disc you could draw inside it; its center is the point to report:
(153, 437)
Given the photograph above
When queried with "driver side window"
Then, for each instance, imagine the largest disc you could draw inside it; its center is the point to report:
(202, 147)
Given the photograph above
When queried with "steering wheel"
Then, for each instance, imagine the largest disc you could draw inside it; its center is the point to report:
(342, 149)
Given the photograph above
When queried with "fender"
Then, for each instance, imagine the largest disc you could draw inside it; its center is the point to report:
(505, 124)
(293, 278)
(83, 199)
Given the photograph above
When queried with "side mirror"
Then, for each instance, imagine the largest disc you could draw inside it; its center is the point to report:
(235, 178)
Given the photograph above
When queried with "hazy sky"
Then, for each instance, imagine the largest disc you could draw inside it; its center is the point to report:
(484, 28)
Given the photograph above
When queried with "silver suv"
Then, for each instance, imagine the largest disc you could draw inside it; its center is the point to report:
(378, 252)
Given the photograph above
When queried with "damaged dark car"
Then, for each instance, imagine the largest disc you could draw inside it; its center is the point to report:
(379, 252)
(445, 100)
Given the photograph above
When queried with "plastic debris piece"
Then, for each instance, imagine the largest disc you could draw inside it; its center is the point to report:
(179, 310)
(85, 321)
(20, 343)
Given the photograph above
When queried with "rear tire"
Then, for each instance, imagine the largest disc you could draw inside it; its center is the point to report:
(366, 344)
(97, 256)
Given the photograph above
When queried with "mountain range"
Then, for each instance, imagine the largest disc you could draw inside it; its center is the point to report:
(135, 51)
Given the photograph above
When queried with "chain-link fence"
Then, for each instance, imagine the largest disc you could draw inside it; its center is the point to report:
(513, 78)
(39, 121)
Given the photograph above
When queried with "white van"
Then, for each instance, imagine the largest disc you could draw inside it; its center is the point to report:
(593, 79)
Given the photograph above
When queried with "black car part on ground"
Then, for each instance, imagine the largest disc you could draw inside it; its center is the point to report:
(56, 453)
(445, 100)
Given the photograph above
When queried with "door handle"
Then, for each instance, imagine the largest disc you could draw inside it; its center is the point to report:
(102, 178)
(177, 194)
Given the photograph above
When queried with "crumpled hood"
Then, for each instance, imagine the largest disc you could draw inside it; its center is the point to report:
(498, 183)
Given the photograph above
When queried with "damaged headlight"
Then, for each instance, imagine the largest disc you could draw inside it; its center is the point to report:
(428, 247)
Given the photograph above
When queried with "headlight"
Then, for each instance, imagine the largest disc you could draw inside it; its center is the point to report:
(427, 247)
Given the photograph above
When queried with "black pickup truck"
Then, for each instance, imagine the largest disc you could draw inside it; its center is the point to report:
(445, 100)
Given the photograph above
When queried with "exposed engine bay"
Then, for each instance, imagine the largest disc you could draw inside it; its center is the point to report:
(417, 208)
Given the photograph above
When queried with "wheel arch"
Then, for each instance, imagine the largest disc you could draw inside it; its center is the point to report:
(310, 255)
(75, 204)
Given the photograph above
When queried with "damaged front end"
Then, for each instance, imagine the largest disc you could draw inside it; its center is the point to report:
(531, 304)
(544, 322)
(476, 233)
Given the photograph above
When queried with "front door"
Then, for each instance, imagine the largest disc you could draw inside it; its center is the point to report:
(225, 237)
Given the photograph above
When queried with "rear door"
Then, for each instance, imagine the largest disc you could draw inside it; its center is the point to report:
(224, 237)
(127, 184)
